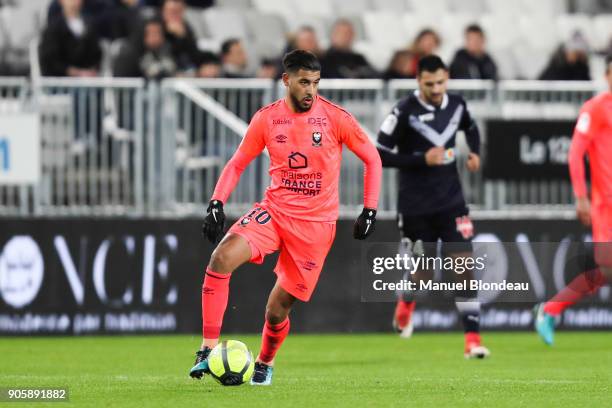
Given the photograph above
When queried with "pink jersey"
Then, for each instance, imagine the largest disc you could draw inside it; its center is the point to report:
(593, 134)
(305, 156)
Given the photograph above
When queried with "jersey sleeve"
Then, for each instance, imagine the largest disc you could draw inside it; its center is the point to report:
(583, 134)
(388, 135)
(254, 141)
(470, 128)
(359, 143)
(251, 146)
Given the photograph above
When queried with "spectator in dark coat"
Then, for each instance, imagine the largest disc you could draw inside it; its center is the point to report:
(70, 45)
(234, 59)
(427, 42)
(570, 61)
(125, 18)
(400, 66)
(340, 61)
(209, 65)
(89, 8)
(473, 61)
(190, 3)
(180, 36)
(304, 38)
(147, 54)
(108, 16)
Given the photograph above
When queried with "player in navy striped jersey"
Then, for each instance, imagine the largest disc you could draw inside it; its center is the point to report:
(418, 138)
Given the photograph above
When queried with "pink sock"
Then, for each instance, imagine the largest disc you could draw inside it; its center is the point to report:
(272, 338)
(215, 292)
(587, 283)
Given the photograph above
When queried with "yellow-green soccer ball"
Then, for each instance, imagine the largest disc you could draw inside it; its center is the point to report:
(231, 363)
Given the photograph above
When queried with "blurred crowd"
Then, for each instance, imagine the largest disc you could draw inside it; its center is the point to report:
(163, 44)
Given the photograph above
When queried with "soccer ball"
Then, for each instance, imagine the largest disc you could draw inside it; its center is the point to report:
(231, 363)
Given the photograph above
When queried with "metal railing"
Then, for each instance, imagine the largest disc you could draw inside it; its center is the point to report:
(122, 147)
(198, 137)
(92, 136)
(14, 199)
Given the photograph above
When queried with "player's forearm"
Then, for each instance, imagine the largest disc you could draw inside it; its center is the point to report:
(576, 165)
(230, 176)
(400, 160)
(472, 137)
(372, 173)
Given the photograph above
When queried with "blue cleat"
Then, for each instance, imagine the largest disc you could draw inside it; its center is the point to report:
(544, 324)
(262, 374)
(201, 364)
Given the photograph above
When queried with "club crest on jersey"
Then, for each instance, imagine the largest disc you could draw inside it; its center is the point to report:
(449, 156)
(317, 139)
(465, 227)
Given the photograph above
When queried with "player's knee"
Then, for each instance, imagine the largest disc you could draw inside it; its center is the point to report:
(220, 260)
(277, 313)
(232, 252)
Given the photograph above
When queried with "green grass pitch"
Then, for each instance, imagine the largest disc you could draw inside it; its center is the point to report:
(377, 370)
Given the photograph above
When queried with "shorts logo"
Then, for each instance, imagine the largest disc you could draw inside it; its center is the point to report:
(465, 227)
(282, 121)
(245, 221)
(281, 139)
(316, 139)
(301, 287)
(297, 161)
(317, 121)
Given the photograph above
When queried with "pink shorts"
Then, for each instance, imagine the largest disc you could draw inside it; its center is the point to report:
(601, 220)
(303, 246)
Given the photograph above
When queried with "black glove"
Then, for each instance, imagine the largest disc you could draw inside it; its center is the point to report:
(365, 223)
(214, 221)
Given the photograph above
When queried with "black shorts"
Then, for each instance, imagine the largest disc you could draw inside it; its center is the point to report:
(452, 226)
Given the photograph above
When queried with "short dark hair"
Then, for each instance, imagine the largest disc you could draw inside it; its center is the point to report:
(226, 45)
(431, 63)
(207, 57)
(299, 59)
(474, 28)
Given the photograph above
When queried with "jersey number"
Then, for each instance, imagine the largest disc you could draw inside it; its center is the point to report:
(262, 218)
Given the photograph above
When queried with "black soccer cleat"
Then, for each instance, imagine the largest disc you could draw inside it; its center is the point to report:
(200, 366)
(262, 374)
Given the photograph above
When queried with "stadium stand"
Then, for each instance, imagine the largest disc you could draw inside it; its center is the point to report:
(357, 7)
(382, 27)
(521, 37)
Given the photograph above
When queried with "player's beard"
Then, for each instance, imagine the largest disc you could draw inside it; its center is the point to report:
(435, 100)
(298, 104)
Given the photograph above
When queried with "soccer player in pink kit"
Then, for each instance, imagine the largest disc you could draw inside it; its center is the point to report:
(304, 134)
(592, 136)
